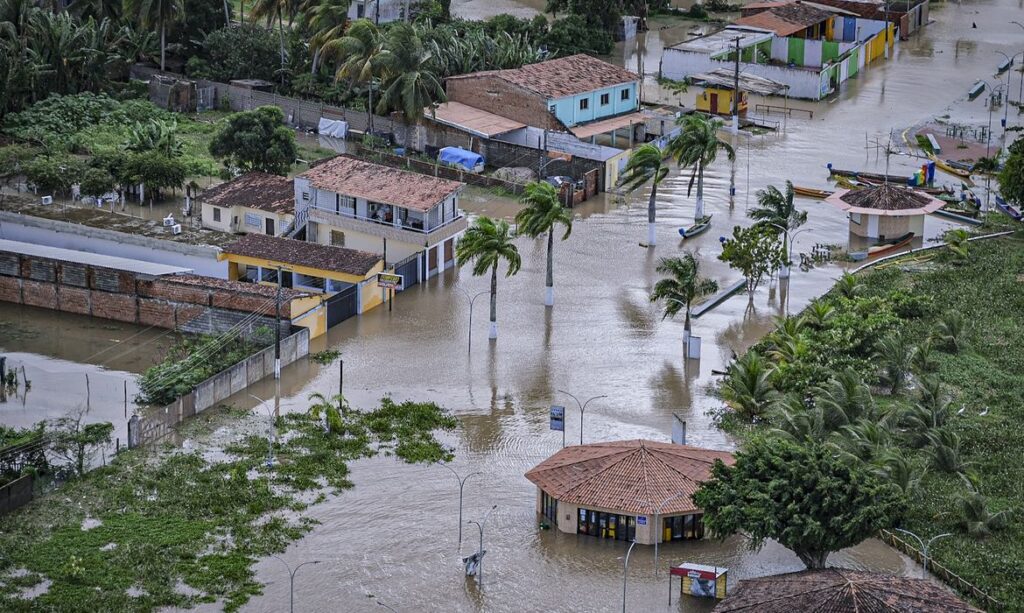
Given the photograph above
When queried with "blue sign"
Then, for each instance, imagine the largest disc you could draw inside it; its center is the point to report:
(558, 418)
(641, 520)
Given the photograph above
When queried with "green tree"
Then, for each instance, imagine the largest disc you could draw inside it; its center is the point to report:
(956, 242)
(410, 83)
(683, 286)
(895, 356)
(571, 35)
(244, 51)
(78, 442)
(256, 140)
(697, 147)
(357, 58)
(96, 182)
(754, 252)
(777, 211)
(1011, 177)
(155, 171)
(326, 21)
(487, 242)
(799, 495)
(646, 163)
(950, 330)
(975, 518)
(156, 14)
(53, 175)
(268, 9)
(542, 213)
(333, 410)
(747, 389)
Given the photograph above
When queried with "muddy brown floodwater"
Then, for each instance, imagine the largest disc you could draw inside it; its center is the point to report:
(394, 536)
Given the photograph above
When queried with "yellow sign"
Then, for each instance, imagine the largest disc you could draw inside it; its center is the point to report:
(389, 281)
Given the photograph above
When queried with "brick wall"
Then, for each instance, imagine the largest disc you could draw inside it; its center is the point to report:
(500, 97)
(188, 303)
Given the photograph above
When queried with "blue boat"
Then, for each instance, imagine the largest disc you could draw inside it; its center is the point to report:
(699, 226)
(1010, 210)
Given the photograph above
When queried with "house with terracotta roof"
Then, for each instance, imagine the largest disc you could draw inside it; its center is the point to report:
(810, 47)
(343, 280)
(625, 490)
(410, 220)
(252, 202)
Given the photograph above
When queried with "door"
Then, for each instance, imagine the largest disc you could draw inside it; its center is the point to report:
(270, 227)
(342, 305)
(432, 259)
(449, 250)
(714, 104)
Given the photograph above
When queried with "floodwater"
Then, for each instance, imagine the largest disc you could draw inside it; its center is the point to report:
(394, 537)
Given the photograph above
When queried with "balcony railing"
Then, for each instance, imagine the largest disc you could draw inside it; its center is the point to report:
(412, 225)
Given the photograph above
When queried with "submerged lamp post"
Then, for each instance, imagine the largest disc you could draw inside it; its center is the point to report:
(480, 552)
(291, 579)
(462, 483)
(273, 431)
(472, 299)
(583, 407)
(625, 574)
(924, 547)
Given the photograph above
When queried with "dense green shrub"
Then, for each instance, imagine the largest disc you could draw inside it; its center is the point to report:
(239, 52)
(570, 35)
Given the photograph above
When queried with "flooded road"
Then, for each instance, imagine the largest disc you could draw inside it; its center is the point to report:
(395, 535)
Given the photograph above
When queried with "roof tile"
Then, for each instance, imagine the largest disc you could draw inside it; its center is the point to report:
(302, 253)
(259, 190)
(565, 76)
(353, 177)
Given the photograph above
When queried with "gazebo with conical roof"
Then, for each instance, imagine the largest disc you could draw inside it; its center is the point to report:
(838, 590)
(886, 210)
(623, 490)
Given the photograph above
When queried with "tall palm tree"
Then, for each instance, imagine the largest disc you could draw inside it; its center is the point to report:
(487, 242)
(326, 21)
(158, 14)
(776, 209)
(542, 213)
(646, 163)
(894, 355)
(682, 287)
(697, 146)
(268, 9)
(357, 57)
(949, 331)
(844, 399)
(410, 77)
(746, 390)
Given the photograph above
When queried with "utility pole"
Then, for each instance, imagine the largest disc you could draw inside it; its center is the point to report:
(277, 347)
(341, 377)
(736, 90)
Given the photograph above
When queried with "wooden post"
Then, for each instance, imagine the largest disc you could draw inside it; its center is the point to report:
(126, 399)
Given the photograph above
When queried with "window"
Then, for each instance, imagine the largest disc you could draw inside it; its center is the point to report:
(360, 10)
(584, 104)
(337, 238)
(216, 214)
(624, 94)
(606, 525)
(683, 527)
(605, 98)
(305, 196)
(549, 507)
(252, 219)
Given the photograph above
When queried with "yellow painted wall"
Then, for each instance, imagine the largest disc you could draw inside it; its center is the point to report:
(876, 46)
(314, 317)
(397, 250)
(724, 101)
(302, 270)
(612, 169)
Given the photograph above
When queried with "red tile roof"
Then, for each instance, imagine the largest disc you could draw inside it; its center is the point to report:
(259, 190)
(237, 287)
(565, 76)
(288, 251)
(628, 476)
(839, 590)
(353, 177)
(786, 19)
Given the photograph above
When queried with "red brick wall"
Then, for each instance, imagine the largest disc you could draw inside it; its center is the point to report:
(10, 289)
(500, 97)
(119, 307)
(174, 291)
(73, 300)
(37, 293)
(156, 313)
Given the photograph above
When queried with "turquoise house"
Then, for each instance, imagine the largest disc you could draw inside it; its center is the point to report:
(596, 104)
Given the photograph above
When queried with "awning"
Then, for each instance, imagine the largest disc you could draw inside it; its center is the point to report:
(725, 78)
(606, 126)
(472, 120)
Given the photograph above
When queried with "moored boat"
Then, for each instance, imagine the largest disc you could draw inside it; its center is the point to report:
(884, 247)
(699, 226)
(868, 176)
(811, 192)
(957, 169)
(1010, 210)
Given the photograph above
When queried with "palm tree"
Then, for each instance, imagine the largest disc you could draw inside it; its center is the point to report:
(925, 360)
(646, 163)
(157, 13)
(776, 209)
(844, 399)
(975, 518)
(326, 21)
(893, 466)
(818, 314)
(797, 421)
(698, 146)
(411, 81)
(746, 390)
(332, 409)
(542, 213)
(683, 286)
(949, 331)
(895, 355)
(268, 9)
(356, 54)
(849, 286)
(487, 242)
(945, 452)
(957, 242)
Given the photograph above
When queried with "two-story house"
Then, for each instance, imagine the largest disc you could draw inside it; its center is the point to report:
(411, 220)
(255, 202)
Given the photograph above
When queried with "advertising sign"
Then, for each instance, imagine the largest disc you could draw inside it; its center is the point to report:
(558, 418)
(387, 280)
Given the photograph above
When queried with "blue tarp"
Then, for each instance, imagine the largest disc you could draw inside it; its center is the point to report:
(467, 160)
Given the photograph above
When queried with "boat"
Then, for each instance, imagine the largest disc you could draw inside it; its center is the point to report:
(958, 215)
(957, 169)
(811, 192)
(886, 246)
(1012, 211)
(869, 176)
(699, 225)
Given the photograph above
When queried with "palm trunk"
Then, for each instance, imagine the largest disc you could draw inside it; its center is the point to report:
(686, 326)
(280, 23)
(494, 303)
(784, 268)
(652, 238)
(163, 45)
(369, 109)
(699, 211)
(549, 292)
(241, 11)
(227, 14)
(316, 60)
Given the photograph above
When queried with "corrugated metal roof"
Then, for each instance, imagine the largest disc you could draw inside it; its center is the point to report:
(91, 259)
(472, 119)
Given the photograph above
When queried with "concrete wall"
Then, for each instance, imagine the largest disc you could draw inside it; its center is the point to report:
(500, 97)
(201, 259)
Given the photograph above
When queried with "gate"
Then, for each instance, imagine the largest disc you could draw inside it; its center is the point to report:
(409, 269)
(342, 305)
(204, 98)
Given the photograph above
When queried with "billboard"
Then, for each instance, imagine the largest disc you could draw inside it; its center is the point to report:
(388, 280)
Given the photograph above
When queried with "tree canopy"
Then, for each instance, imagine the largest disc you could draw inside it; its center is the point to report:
(754, 252)
(800, 495)
(1011, 178)
(256, 140)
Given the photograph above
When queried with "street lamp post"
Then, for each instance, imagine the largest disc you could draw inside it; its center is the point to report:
(1009, 71)
(462, 483)
(291, 579)
(625, 571)
(472, 299)
(480, 552)
(924, 547)
(583, 407)
(273, 430)
(657, 527)
(1020, 94)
